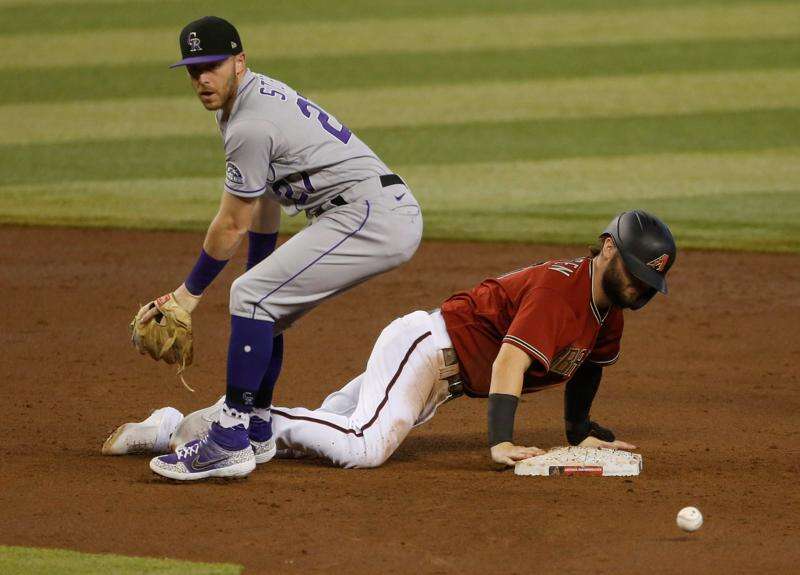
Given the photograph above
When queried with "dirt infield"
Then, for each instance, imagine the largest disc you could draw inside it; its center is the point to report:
(707, 387)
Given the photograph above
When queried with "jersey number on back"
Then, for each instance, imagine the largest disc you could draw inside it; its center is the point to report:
(342, 134)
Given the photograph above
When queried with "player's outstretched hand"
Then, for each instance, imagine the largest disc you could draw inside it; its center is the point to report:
(508, 454)
(616, 444)
(181, 296)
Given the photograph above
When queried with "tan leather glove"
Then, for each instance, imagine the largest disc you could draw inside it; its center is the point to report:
(168, 336)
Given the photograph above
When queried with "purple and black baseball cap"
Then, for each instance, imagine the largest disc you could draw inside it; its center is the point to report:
(209, 39)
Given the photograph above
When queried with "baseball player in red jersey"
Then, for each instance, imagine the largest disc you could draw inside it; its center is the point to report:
(556, 322)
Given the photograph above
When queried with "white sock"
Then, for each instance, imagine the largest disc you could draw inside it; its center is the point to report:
(230, 417)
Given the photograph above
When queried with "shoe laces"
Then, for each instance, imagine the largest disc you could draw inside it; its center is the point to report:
(188, 450)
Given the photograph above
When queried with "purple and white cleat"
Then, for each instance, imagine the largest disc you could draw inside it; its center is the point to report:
(226, 452)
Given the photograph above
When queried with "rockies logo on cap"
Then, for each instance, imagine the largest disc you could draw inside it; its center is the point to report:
(220, 41)
(194, 42)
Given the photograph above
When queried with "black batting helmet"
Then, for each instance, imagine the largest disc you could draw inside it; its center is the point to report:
(647, 248)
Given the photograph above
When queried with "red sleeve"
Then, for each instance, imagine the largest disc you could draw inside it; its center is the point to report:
(607, 347)
(536, 329)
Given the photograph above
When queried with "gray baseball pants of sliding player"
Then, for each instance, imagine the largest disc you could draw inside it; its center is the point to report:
(377, 230)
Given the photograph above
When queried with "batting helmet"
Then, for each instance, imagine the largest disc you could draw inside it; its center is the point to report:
(647, 248)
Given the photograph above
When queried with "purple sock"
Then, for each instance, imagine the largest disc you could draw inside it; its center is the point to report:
(249, 355)
(259, 429)
(259, 246)
(264, 396)
(230, 438)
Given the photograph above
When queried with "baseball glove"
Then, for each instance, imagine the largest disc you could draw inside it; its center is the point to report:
(168, 336)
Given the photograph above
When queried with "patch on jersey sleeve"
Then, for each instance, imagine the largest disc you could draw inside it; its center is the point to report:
(233, 174)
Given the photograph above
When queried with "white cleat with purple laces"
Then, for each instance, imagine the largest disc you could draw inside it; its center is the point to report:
(205, 458)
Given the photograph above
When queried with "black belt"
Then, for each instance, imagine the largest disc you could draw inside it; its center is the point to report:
(455, 385)
(391, 180)
(386, 181)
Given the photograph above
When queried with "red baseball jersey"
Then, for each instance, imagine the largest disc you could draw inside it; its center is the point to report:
(546, 310)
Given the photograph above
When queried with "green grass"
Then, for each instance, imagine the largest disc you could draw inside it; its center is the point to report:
(28, 561)
(588, 98)
(464, 32)
(518, 120)
(419, 69)
(17, 17)
(177, 157)
(710, 200)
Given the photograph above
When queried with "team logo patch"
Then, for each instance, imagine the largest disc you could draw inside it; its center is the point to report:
(660, 263)
(566, 362)
(194, 42)
(233, 174)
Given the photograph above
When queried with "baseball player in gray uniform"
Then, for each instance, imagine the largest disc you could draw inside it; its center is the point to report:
(282, 151)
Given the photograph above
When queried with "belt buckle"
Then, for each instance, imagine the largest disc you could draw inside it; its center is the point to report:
(451, 373)
(455, 389)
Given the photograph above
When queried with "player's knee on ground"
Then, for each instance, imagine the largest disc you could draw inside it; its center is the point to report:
(369, 460)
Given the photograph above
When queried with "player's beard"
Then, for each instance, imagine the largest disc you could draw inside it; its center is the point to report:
(615, 284)
(225, 94)
(230, 88)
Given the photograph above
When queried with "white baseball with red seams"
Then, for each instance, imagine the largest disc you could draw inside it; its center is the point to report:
(362, 424)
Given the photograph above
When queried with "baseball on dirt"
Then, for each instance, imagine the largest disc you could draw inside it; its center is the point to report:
(690, 519)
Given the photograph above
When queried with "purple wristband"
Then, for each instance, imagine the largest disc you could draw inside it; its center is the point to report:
(203, 273)
(259, 247)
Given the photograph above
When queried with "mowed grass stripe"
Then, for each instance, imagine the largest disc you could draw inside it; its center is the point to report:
(730, 200)
(22, 4)
(741, 221)
(30, 561)
(17, 18)
(418, 69)
(469, 33)
(450, 104)
(434, 144)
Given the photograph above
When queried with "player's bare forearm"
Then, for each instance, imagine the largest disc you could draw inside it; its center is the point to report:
(266, 216)
(224, 235)
(508, 370)
(229, 226)
(508, 373)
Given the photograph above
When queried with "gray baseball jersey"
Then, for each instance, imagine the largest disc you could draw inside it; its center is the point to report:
(278, 142)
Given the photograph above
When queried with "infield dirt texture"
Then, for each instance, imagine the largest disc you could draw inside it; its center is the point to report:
(707, 387)
(524, 121)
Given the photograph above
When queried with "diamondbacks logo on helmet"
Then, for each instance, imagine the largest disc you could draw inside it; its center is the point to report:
(660, 263)
(194, 42)
(233, 174)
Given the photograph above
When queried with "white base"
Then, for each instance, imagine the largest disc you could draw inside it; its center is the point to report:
(582, 461)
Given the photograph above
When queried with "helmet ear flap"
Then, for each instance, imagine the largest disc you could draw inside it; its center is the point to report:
(644, 298)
